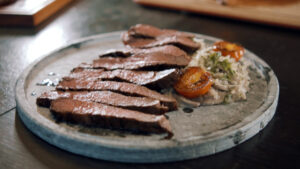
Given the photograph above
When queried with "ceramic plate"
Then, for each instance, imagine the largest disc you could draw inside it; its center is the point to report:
(205, 131)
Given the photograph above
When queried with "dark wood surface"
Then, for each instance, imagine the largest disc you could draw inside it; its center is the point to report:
(277, 146)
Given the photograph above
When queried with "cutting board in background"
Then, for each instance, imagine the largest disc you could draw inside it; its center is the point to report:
(284, 13)
(29, 12)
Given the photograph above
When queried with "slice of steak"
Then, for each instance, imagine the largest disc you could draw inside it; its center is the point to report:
(162, 50)
(145, 36)
(153, 79)
(148, 31)
(143, 104)
(117, 53)
(184, 43)
(140, 61)
(120, 87)
(97, 114)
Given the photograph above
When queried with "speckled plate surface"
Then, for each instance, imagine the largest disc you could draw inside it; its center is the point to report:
(205, 131)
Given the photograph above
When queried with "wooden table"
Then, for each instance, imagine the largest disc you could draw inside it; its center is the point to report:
(277, 146)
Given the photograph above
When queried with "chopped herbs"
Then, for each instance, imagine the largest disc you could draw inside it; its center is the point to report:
(219, 66)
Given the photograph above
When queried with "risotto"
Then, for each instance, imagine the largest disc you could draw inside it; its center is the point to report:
(230, 77)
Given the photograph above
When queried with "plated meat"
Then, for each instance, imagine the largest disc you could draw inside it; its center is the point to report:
(143, 104)
(120, 87)
(144, 30)
(140, 61)
(154, 79)
(161, 50)
(146, 36)
(97, 114)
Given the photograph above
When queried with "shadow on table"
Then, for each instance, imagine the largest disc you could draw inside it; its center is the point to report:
(53, 157)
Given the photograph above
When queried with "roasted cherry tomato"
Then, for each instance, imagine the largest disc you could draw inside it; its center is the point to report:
(193, 83)
(226, 48)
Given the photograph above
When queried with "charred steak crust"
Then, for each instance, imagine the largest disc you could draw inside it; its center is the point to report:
(146, 36)
(143, 104)
(97, 114)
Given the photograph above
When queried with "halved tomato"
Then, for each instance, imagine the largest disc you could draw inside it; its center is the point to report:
(226, 48)
(193, 83)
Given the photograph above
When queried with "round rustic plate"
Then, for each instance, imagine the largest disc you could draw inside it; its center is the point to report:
(207, 130)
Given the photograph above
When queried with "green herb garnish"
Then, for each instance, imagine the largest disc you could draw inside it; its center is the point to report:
(219, 66)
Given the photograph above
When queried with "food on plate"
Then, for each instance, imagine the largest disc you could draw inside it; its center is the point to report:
(226, 48)
(230, 76)
(121, 87)
(159, 50)
(143, 30)
(146, 36)
(158, 60)
(193, 83)
(133, 88)
(153, 79)
(144, 104)
(97, 114)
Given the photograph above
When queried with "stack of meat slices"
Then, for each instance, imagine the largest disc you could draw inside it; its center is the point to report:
(120, 89)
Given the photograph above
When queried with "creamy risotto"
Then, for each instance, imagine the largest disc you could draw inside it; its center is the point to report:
(230, 78)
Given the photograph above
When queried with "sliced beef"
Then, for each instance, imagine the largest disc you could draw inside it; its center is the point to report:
(117, 53)
(153, 79)
(148, 31)
(90, 113)
(145, 36)
(141, 61)
(120, 87)
(162, 50)
(143, 104)
(184, 43)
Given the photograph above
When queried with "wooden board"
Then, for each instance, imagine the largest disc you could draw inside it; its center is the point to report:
(205, 131)
(284, 13)
(29, 12)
